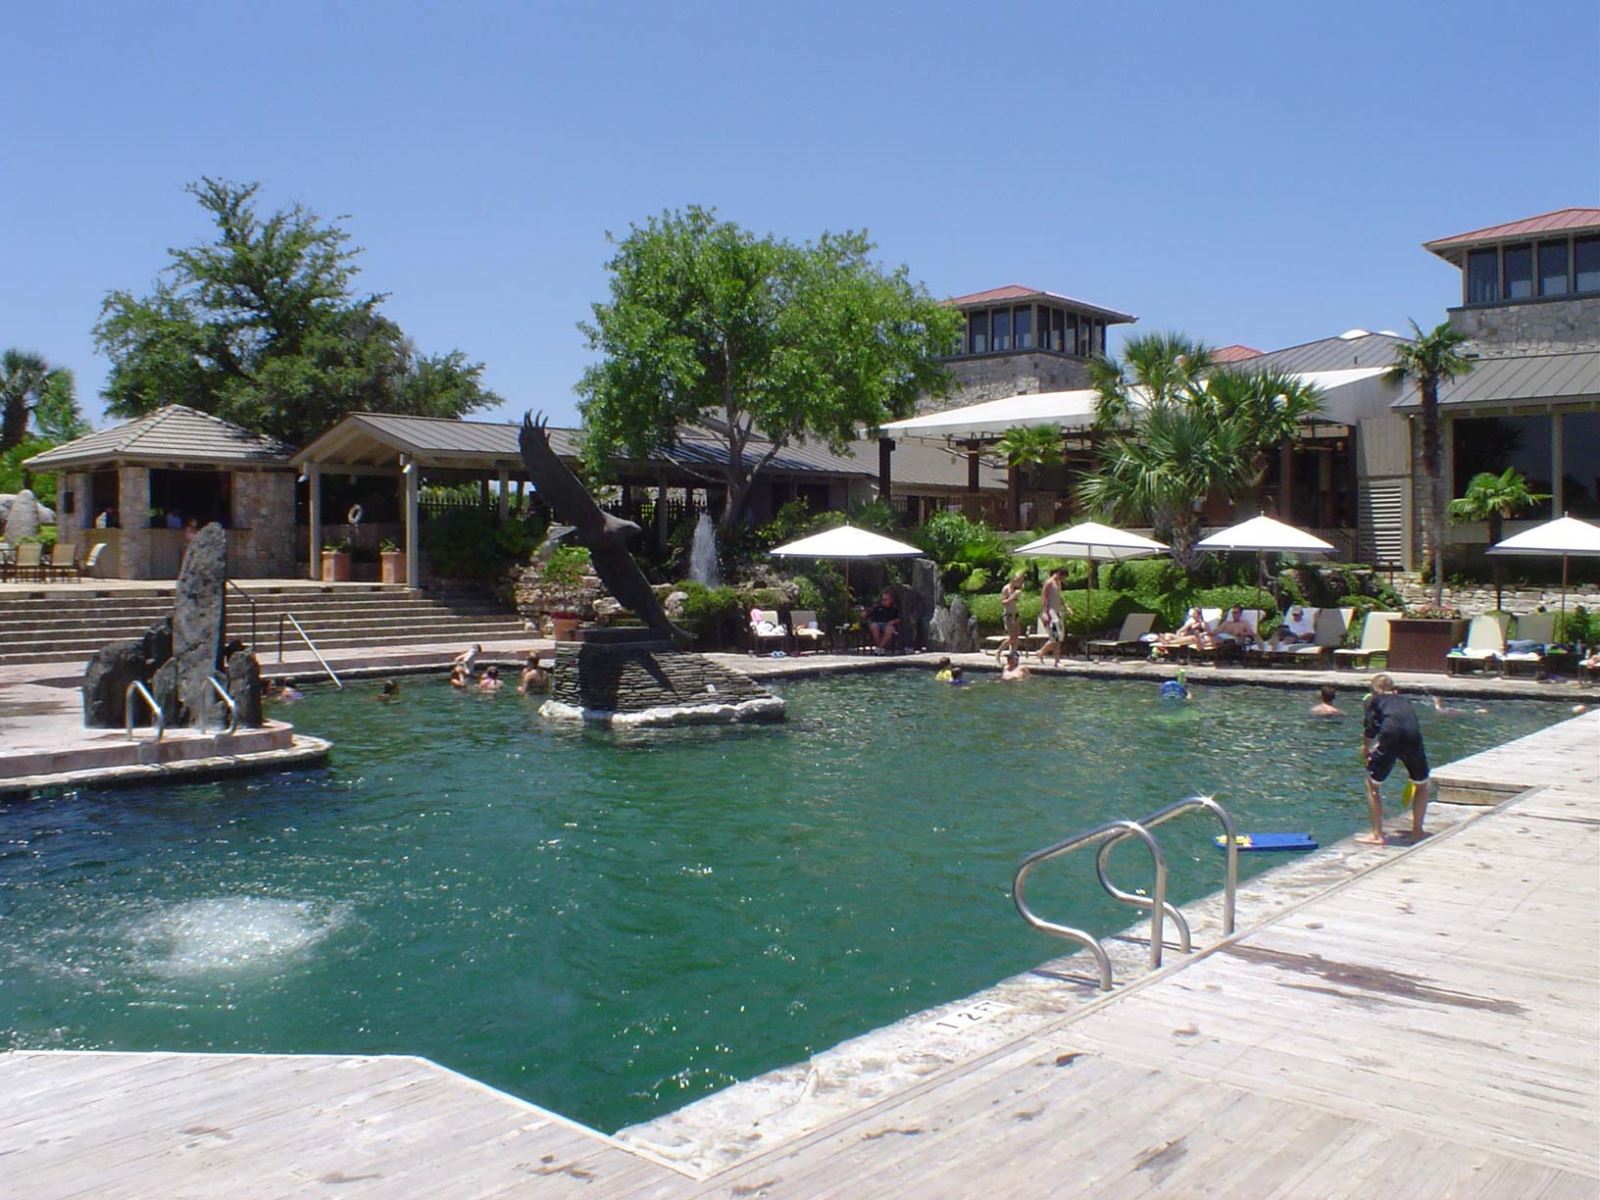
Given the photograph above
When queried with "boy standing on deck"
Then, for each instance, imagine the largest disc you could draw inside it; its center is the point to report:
(1389, 732)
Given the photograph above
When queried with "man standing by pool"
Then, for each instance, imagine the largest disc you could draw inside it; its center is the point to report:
(1390, 733)
(1055, 614)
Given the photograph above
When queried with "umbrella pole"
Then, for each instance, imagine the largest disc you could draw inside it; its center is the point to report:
(1088, 617)
(1564, 640)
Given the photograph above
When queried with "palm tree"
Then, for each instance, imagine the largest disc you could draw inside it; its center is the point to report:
(1163, 470)
(1156, 369)
(1027, 446)
(1268, 407)
(1493, 498)
(25, 379)
(1429, 360)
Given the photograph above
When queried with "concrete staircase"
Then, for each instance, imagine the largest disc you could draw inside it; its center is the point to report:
(66, 626)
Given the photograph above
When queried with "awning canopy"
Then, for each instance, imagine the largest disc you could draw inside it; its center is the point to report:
(1348, 396)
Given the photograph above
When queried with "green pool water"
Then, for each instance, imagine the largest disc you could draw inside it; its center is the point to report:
(613, 925)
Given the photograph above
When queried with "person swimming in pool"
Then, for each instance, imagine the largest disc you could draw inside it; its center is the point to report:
(1014, 671)
(1324, 707)
(1177, 689)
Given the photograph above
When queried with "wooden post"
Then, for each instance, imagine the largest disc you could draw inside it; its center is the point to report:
(505, 493)
(1286, 481)
(483, 494)
(661, 517)
(314, 519)
(885, 476)
(972, 469)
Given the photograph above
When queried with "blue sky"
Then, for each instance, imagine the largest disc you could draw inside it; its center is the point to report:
(1261, 173)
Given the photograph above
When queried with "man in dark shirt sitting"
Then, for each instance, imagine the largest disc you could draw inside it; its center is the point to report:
(883, 623)
(1389, 733)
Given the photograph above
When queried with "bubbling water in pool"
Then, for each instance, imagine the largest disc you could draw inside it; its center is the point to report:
(232, 933)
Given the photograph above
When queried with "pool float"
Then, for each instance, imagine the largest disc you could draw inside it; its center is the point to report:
(1268, 841)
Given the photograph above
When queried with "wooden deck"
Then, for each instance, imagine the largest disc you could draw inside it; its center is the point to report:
(1429, 1028)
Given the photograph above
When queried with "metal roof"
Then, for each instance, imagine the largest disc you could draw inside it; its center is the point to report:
(176, 434)
(1235, 353)
(1521, 379)
(1562, 220)
(1016, 292)
(1358, 348)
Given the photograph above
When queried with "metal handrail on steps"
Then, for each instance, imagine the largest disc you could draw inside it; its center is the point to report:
(226, 698)
(310, 645)
(251, 601)
(1109, 832)
(1231, 871)
(136, 688)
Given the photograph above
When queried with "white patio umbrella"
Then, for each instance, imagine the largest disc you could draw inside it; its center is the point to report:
(846, 542)
(1265, 536)
(1566, 536)
(1095, 542)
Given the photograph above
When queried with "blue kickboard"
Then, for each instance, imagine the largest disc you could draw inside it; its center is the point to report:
(1270, 841)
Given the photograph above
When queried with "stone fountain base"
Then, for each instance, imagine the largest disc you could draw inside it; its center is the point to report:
(629, 678)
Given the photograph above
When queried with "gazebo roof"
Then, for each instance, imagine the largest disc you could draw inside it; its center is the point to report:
(175, 434)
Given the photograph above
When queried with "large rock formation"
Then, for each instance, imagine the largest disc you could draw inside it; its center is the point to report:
(954, 629)
(199, 612)
(24, 517)
(628, 677)
(177, 655)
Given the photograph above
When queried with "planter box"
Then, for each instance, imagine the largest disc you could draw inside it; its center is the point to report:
(393, 566)
(335, 566)
(564, 629)
(1423, 645)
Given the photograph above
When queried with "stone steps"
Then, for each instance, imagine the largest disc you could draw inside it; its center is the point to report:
(71, 628)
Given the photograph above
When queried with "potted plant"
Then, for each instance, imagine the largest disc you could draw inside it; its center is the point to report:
(336, 561)
(392, 560)
(1421, 640)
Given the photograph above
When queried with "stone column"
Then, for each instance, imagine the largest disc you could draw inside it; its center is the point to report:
(413, 572)
(505, 494)
(314, 521)
(133, 512)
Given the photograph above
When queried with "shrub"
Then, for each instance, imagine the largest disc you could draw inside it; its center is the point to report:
(962, 546)
(714, 615)
(566, 566)
(1581, 625)
(466, 543)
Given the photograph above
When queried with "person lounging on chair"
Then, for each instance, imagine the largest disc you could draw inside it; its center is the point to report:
(766, 631)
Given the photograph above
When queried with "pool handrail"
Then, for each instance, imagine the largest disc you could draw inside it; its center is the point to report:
(226, 698)
(1111, 830)
(1231, 871)
(310, 645)
(137, 688)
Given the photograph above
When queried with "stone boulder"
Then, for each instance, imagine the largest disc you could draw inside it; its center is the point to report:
(954, 630)
(244, 685)
(105, 682)
(198, 615)
(23, 518)
(921, 600)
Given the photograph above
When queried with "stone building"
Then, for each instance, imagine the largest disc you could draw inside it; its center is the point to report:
(1019, 340)
(137, 487)
(1530, 307)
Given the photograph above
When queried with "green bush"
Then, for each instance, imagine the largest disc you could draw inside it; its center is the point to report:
(566, 566)
(961, 547)
(974, 583)
(1580, 625)
(468, 544)
(716, 616)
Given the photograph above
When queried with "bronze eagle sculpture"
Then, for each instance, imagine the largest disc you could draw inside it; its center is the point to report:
(605, 536)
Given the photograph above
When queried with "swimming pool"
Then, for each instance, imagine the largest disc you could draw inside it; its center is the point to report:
(613, 925)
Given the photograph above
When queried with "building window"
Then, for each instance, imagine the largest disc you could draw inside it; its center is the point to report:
(978, 333)
(1058, 330)
(1001, 338)
(1586, 264)
(1099, 337)
(178, 497)
(1553, 268)
(1494, 443)
(1023, 323)
(1580, 464)
(1483, 276)
(1518, 281)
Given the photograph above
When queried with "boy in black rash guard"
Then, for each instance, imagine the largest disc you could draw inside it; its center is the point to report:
(1389, 733)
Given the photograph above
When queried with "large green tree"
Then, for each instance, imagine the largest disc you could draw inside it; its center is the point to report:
(1429, 361)
(1268, 409)
(761, 340)
(262, 326)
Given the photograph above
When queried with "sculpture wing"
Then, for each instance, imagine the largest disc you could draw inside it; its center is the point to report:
(603, 535)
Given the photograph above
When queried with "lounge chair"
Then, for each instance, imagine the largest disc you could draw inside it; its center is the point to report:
(1374, 640)
(1331, 624)
(1485, 647)
(63, 561)
(1525, 653)
(29, 563)
(1134, 627)
(806, 630)
(87, 567)
(766, 631)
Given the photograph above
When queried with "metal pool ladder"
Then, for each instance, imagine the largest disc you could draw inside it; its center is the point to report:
(1110, 835)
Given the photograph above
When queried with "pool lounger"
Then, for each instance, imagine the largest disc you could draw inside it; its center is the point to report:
(1270, 841)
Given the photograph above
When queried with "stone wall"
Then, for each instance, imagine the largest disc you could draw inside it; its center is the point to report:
(1479, 597)
(1533, 326)
(133, 511)
(996, 376)
(654, 684)
(263, 541)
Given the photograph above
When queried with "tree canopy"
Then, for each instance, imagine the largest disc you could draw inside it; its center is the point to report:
(32, 390)
(761, 340)
(261, 326)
